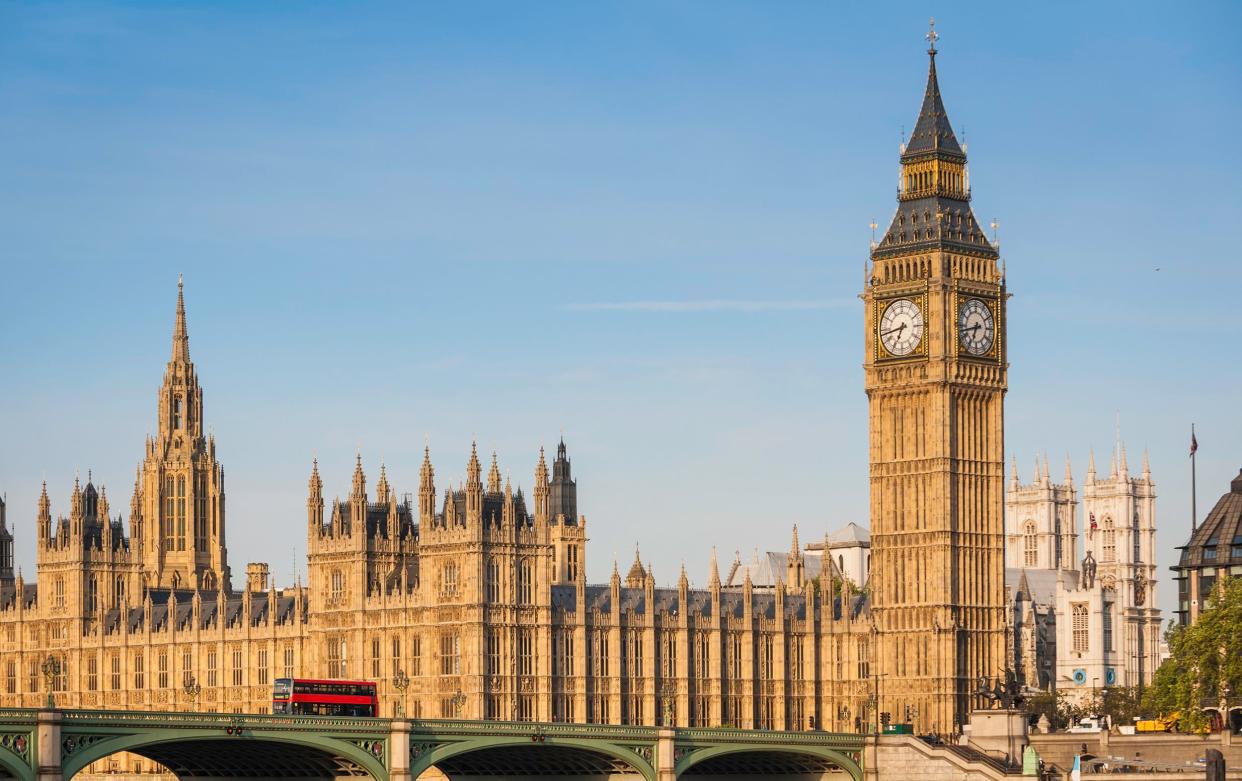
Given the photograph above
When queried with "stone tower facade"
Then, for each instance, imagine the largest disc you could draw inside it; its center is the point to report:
(1041, 521)
(935, 376)
(1090, 621)
(1120, 536)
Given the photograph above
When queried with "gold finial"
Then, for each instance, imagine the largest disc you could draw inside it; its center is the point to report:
(932, 35)
(994, 225)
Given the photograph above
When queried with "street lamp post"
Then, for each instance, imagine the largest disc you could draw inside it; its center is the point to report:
(51, 669)
(192, 690)
(400, 682)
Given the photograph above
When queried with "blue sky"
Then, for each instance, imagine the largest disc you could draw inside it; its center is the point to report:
(641, 224)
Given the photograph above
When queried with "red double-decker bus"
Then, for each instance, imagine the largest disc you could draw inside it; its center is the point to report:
(307, 697)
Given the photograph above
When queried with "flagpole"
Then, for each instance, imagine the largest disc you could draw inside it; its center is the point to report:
(1193, 511)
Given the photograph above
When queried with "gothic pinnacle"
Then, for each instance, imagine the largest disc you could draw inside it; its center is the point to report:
(493, 476)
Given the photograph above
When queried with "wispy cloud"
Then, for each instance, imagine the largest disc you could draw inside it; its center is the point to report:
(711, 305)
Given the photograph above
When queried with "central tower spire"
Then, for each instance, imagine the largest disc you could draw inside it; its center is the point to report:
(181, 497)
(181, 338)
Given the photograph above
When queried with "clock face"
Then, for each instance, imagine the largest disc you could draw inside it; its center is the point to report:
(976, 327)
(901, 327)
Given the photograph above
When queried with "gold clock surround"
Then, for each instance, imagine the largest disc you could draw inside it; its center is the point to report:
(996, 351)
(881, 303)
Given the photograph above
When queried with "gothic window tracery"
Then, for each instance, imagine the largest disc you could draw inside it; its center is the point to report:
(1030, 543)
(1079, 616)
(526, 576)
(1109, 539)
(181, 512)
(337, 591)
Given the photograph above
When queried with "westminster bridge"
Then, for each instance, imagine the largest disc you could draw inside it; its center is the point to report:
(56, 744)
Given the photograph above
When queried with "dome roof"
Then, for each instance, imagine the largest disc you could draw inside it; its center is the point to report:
(1218, 540)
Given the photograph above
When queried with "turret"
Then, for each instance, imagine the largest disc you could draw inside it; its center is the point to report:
(382, 489)
(493, 476)
(45, 517)
(6, 548)
(563, 491)
(541, 490)
(794, 567)
(426, 490)
(314, 502)
(474, 488)
(135, 515)
(1091, 467)
(358, 488)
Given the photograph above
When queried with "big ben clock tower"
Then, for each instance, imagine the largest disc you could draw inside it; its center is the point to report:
(935, 379)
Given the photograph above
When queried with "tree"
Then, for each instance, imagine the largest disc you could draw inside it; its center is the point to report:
(1120, 703)
(1056, 706)
(1205, 660)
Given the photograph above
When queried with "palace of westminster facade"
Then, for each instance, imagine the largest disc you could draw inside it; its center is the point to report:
(480, 594)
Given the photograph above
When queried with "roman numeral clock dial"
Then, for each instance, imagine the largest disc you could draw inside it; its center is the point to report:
(976, 327)
(901, 327)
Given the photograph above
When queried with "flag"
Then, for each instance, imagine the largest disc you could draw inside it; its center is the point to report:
(1076, 771)
(1194, 443)
(1094, 526)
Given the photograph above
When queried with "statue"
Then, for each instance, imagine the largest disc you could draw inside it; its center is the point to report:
(1088, 572)
(1140, 590)
(1004, 692)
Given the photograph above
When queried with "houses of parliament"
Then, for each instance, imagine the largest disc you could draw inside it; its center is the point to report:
(480, 594)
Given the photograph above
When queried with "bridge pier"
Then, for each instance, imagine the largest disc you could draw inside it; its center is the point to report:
(398, 751)
(47, 745)
(665, 756)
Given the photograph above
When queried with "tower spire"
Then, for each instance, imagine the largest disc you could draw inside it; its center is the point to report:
(181, 337)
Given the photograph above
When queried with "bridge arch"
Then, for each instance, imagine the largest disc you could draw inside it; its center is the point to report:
(12, 766)
(701, 756)
(511, 749)
(191, 753)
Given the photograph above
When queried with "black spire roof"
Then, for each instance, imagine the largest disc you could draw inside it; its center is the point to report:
(936, 218)
(932, 132)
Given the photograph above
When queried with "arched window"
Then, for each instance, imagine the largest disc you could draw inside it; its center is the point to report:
(1078, 612)
(1030, 544)
(1110, 539)
(177, 412)
(338, 586)
(526, 577)
(448, 578)
(166, 523)
(841, 562)
(493, 581)
(181, 512)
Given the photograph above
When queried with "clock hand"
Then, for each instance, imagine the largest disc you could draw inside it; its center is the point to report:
(901, 327)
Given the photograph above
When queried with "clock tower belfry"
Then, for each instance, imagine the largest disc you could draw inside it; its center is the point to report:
(935, 374)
